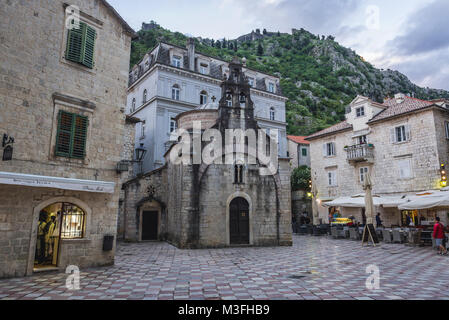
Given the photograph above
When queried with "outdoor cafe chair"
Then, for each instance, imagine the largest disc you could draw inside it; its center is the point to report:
(398, 237)
(386, 236)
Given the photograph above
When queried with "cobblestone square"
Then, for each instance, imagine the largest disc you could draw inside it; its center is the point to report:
(314, 268)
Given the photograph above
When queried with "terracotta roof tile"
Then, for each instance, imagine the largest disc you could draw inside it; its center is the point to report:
(335, 128)
(299, 139)
(394, 109)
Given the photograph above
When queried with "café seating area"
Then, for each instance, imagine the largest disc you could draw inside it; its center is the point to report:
(394, 235)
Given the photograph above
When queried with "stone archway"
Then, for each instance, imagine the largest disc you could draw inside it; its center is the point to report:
(242, 203)
(37, 209)
(149, 213)
(239, 221)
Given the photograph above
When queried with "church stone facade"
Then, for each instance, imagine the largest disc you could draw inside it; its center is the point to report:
(217, 205)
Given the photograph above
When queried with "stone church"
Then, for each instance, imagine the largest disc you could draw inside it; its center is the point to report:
(213, 205)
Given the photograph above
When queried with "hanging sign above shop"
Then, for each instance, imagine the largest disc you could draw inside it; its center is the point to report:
(21, 179)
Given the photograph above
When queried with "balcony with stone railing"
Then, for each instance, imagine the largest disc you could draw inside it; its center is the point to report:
(360, 153)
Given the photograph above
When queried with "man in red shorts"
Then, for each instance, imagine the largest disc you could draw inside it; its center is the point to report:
(438, 235)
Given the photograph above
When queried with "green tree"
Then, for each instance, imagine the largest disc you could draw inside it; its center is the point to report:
(260, 49)
(301, 178)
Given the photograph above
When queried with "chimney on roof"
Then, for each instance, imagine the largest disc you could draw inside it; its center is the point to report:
(191, 53)
(399, 97)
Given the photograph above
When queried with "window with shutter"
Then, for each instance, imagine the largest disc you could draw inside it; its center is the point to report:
(71, 135)
(81, 45)
(405, 169)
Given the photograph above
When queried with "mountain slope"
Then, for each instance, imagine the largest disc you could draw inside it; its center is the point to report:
(319, 76)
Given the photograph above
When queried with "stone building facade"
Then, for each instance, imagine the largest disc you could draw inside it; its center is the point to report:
(170, 80)
(62, 116)
(218, 204)
(401, 143)
(298, 151)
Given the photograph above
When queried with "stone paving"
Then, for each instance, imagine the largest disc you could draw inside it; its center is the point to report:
(313, 269)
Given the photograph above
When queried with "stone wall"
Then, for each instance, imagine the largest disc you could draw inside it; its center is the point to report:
(33, 69)
(18, 221)
(175, 193)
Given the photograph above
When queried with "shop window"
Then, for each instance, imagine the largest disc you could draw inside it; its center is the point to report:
(81, 45)
(71, 135)
(57, 221)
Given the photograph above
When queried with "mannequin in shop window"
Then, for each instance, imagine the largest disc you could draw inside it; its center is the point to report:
(40, 244)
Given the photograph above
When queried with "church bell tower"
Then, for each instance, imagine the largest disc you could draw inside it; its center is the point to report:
(236, 109)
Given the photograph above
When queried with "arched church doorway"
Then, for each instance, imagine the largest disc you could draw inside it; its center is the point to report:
(239, 221)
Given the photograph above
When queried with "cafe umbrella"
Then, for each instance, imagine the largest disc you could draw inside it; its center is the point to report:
(315, 204)
(369, 233)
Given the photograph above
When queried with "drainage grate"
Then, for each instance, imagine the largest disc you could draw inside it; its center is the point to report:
(297, 277)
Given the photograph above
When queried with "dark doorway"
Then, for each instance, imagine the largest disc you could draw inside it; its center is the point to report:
(239, 221)
(149, 225)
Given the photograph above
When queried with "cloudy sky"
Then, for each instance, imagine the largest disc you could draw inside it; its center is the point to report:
(411, 36)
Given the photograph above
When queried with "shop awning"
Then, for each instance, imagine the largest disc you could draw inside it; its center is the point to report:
(437, 199)
(21, 179)
(358, 201)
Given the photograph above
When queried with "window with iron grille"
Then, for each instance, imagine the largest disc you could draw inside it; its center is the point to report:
(71, 135)
(73, 222)
(81, 45)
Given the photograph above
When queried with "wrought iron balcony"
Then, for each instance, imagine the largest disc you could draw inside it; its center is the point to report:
(360, 153)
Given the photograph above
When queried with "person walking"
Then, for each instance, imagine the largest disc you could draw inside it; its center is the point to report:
(378, 220)
(438, 235)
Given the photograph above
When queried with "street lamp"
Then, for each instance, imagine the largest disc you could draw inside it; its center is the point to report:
(122, 166)
(443, 182)
(140, 153)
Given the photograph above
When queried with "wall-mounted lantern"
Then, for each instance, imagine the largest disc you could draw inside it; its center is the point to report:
(443, 172)
(140, 153)
(7, 143)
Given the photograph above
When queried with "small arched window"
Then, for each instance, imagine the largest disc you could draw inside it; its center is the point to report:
(242, 100)
(229, 98)
(133, 106)
(238, 174)
(175, 92)
(272, 114)
(203, 97)
(144, 99)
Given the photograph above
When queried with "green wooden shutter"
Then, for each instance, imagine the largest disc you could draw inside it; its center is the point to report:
(64, 134)
(79, 137)
(89, 47)
(74, 50)
(71, 135)
(81, 45)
